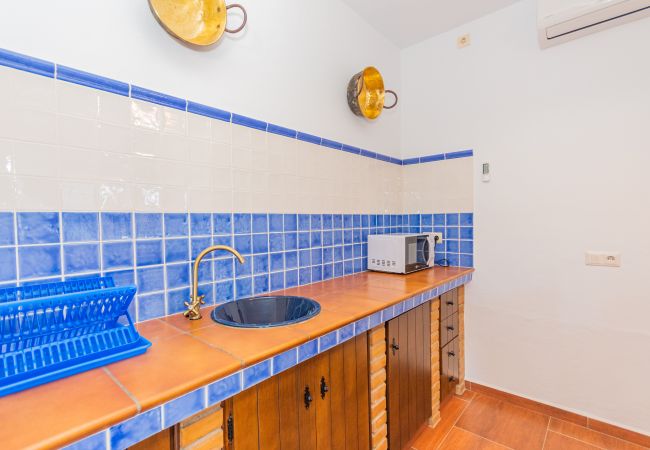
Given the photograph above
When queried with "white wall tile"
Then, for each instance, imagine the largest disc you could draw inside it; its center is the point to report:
(221, 131)
(8, 189)
(174, 121)
(114, 109)
(27, 124)
(76, 100)
(36, 159)
(78, 132)
(7, 163)
(80, 196)
(37, 194)
(25, 90)
(146, 115)
(199, 127)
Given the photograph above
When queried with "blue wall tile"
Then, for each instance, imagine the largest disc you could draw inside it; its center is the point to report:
(80, 227)
(177, 250)
(290, 222)
(38, 228)
(148, 225)
(8, 264)
(158, 98)
(260, 223)
(201, 224)
(257, 373)
(282, 131)
(224, 389)
(94, 442)
(136, 429)
(276, 223)
(222, 223)
(249, 122)
(307, 350)
(242, 223)
(183, 407)
(149, 253)
(176, 225)
(116, 226)
(151, 306)
(208, 111)
(81, 258)
(118, 254)
(90, 80)
(26, 63)
(285, 360)
(39, 261)
(178, 275)
(7, 228)
(309, 138)
(151, 279)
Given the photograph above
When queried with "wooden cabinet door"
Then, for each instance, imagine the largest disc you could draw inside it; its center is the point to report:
(165, 440)
(408, 374)
(321, 404)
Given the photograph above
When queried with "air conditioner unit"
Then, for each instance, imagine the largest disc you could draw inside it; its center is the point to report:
(564, 20)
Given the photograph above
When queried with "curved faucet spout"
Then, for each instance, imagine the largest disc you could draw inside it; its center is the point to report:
(194, 305)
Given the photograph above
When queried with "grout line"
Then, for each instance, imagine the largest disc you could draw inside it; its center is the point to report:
(483, 437)
(592, 430)
(548, 425)
(452, 427)
(126, 391)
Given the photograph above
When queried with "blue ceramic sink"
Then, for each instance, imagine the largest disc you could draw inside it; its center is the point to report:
(264, 312)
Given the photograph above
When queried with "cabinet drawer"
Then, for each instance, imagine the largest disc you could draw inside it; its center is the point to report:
(449, 303)
(448, 329)
(449, 368)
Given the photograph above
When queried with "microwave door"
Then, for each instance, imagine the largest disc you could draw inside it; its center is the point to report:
(411, 254)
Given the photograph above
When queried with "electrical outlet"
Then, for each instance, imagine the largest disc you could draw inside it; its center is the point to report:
(439, 235)
(606, 259)
(464, 41)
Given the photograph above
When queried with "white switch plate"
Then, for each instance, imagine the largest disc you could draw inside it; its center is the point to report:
(439, 237)
(607, 259)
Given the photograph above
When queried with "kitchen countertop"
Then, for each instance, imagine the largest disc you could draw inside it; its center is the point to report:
(186, 355)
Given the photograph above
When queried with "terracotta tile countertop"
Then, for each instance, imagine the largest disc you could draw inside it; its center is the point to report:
(187, 355)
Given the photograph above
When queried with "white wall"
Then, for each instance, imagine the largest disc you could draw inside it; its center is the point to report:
(291, 66)
(566, 132)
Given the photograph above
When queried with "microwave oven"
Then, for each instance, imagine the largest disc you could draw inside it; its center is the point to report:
(400, 253)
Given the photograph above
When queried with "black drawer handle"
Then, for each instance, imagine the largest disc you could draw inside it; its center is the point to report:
(324, 389)
(450, 328)
(308, 398)
(394, 346)
(451, 379)
(450, 303)
(451, 354)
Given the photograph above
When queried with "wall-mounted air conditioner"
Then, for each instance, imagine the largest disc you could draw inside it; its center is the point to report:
(564, 20)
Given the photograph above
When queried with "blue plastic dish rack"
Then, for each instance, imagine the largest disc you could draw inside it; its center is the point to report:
(50, 331)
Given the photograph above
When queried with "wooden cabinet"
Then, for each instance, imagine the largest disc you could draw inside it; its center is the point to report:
(165, 440)
(322, 403)
(408, 374)
(449, 343)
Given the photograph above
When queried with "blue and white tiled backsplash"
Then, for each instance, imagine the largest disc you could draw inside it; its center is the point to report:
(154, 251)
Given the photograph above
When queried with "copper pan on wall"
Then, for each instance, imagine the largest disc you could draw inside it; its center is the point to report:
(197, 22)
(366, 94)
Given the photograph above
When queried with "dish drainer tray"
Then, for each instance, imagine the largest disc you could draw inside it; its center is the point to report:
(50, 331)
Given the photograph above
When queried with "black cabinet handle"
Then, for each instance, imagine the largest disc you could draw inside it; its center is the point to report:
(450, 328)
(450, 303)
(324, 389)
(451, 354)
(394, 346)
(230, 424)
(451, 378)
(308, 398)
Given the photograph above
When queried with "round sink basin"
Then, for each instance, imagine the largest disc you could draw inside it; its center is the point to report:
(263, 312)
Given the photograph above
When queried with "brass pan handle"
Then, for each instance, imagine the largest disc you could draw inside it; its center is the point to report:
(388, 91)
(243, 24)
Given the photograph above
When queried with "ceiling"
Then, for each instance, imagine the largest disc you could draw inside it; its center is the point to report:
(407, 22)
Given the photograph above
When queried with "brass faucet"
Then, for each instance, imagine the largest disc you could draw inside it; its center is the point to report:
(194, 305)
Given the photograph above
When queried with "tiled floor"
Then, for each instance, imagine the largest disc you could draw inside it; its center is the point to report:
(478, 421)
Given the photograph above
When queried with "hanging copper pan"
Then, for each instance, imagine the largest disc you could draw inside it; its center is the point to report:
(198, 22)
(366, 94)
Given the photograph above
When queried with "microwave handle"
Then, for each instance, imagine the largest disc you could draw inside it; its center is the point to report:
(432, 250)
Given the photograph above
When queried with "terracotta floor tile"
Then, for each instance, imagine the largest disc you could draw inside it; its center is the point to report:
(431, 438)
(157, 329)
(556, 441)
(62, 411)
(468, 395)
(504, 423)
(615, 431)
(531, 404)
(590, 436)
(174, 366)
(459, 439)
(250, 345)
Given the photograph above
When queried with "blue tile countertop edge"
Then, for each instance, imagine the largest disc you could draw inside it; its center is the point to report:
(70, 75)
(148, 423)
